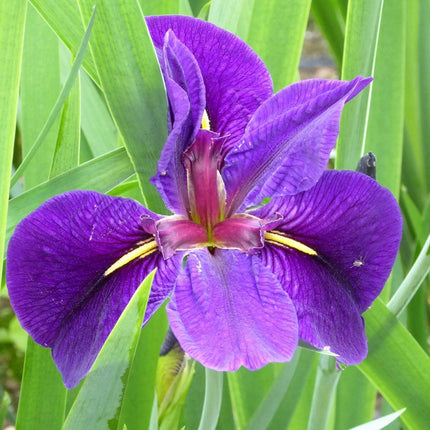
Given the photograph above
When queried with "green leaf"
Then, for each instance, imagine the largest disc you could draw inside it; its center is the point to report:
(380, 423)
(227, 14)
(360, 51)
(195, 398)
(43, 396)
(66, 154)
(204, 11)
(213, 399)
(197, 5)
(97, 124)
(414, 169)
(175, 372)
(413, 217)
(98, 403)
(330, 16)
(225, 419)
(300, 417)
(353, 388)
(4, 406)
(132, 83)
(397, 366)
(423, 62)
(185, 8)
(248, 389)
(159, 7)
(276, 34)
(295, 405)
(386, 117)
(128, 189)
(64, 18)
(412, 281)
(100, 174)
(73, 74)
(40, 85)
(12, 17)
(140, 391)
(268, 407)
(375, 123)
(324, 393)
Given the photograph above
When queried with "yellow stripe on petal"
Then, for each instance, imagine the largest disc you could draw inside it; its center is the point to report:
(206, 124)
(278, 238)
(146, 248)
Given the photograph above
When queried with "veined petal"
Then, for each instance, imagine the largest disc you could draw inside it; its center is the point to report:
(351, 221)
(287, 143)
(170, 178)
(187, 100)
(181, 66)
(236, 79)
(67, 277)
(328, 316)
(228, 311)
(354, 225)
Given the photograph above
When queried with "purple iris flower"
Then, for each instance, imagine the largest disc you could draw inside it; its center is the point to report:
(245, 280)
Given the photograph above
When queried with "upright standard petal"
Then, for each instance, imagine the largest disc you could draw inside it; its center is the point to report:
(73, 265)
(287, 143)
(228, 311)
(187, 101)
(181, 66)
(170, 179)
(236, 79)
(354, 225)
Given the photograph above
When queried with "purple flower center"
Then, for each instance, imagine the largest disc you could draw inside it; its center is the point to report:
(207, 225)
(206, 190)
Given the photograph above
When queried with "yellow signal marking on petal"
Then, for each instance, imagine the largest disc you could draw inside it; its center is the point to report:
(277, 238)
(206, 124)
(147, 248)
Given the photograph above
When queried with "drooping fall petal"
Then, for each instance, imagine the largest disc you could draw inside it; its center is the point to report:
(228, 311)
(61, 277)
(328, 316)
(354, 225)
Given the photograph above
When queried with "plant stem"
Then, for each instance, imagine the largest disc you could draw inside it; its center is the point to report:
(213, 398)
(324, 393)
(412, 282)
(268, 407)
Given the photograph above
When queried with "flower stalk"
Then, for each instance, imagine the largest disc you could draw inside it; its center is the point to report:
(324, 393)
(213, 399)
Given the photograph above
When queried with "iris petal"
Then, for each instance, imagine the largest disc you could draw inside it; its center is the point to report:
(287, 143)
(186, 94)
(181, 66)
(243, 232)
(56, 273)
(355, 227)
(327, 313)
(228, 310)
(179, 233)
(236, 79)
